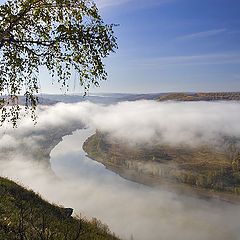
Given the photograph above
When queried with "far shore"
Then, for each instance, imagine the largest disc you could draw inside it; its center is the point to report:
(179, 188)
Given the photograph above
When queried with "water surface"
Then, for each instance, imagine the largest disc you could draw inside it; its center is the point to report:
(131, 209)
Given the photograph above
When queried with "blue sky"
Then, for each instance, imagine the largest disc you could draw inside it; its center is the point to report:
(171, 45)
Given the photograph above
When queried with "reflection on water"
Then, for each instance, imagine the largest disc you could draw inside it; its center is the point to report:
(69, 161)
(133, 209)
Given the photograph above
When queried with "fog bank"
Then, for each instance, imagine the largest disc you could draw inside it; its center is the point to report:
(141, 121)
(128, 208)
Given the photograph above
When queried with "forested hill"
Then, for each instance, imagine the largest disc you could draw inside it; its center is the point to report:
(25, 215)
(214, 96)
(205, 167)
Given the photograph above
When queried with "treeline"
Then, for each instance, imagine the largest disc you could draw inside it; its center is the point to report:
(214, 96)
(204, 167)
(224, 180)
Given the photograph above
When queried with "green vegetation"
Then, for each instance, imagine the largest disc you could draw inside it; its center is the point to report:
(64, 36)
(214, 96)
(205, 167)
(25, 215)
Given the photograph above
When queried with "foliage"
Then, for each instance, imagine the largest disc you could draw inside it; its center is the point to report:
(211, 96)
(64, 36)
(203, 166)
(24, 215)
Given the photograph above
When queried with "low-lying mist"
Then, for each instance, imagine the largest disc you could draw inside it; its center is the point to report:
(140, 121)
(128, 208)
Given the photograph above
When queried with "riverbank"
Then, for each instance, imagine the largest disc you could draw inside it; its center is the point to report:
(132, 209)
(163, 175)
(36, 145)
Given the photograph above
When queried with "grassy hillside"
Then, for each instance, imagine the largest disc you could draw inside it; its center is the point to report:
(203, 167)
(215, 96)
(24, 215)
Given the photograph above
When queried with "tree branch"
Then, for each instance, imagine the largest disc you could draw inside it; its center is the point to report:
(47, 43)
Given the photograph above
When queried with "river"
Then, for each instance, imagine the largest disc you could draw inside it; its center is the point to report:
(133, 210)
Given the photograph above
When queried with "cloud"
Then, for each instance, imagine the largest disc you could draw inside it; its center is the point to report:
(138, 121)
(110, 3)
(106, 4)
(204, 34)
(128, 208)
(8, 141)
(172, 123)
(191, 60)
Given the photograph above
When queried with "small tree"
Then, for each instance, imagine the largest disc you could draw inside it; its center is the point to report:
(65, 36)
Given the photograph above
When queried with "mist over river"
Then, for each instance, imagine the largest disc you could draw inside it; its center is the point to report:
(131, 209)
(128, 208)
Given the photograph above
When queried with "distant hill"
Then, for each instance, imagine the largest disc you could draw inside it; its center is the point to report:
(25, 215)
(21, 100)
(103, 98)
(214, 96)
(112, 98)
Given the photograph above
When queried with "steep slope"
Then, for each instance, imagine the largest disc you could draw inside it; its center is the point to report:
(25, 215)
